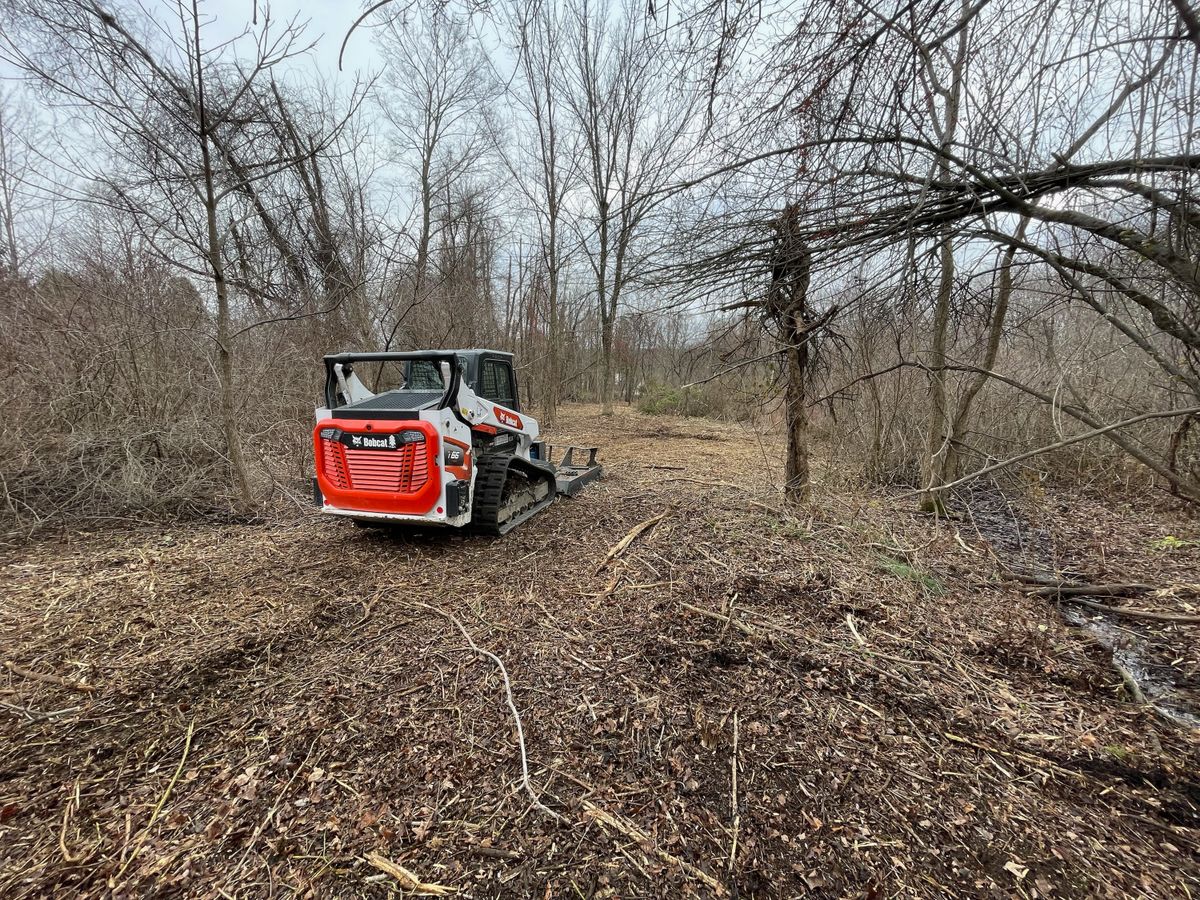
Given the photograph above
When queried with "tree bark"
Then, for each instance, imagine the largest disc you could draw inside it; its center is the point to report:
(787, 305)
(228, 405)
(606, 324)
(796, 473)
(939, 456)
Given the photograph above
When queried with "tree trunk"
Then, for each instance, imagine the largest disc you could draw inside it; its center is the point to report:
(939, 413)
(787, 305)
(796, 473)
(426, 226)
(958, 424)
(233, 441)
(606, 322)
(551, 392)
(8, 192)
(606, 373)
(228, 405)
(940, 425)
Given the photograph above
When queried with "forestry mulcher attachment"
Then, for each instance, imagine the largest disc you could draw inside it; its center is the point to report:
(449, 447)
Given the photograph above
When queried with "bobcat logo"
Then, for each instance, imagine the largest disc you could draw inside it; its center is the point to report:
(507, 419)
(366, 442)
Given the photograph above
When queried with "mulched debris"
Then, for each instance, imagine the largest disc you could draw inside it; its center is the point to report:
(851, 701)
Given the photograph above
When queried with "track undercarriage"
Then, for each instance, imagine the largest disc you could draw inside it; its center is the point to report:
(508, 491)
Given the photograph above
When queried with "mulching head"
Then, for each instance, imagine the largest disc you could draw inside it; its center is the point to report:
(572, 475)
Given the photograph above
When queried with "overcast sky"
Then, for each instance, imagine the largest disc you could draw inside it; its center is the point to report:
(328, 22)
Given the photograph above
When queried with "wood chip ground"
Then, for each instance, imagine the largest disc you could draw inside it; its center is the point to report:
(848, 702)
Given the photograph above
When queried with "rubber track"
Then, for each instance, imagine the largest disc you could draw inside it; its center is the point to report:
(489, 490)
(489, 495)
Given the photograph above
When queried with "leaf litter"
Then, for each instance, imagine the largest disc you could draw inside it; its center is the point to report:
(731, 702)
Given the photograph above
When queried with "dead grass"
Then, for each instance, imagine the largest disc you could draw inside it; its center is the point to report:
(273, 713)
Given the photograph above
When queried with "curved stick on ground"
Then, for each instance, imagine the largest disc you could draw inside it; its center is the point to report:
(512, 705)
(162, 801)
(634, 533)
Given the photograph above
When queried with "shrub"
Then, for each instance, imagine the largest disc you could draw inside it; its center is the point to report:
(700, 401)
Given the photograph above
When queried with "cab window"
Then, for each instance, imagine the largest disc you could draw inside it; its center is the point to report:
(424, 375)
(496, 383)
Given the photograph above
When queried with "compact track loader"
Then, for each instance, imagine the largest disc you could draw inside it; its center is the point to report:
(449, 447)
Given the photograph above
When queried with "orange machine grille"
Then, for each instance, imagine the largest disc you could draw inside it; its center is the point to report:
(401, 471)
(333, 465)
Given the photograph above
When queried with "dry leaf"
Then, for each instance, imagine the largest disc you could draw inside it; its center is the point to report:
(1017, 869)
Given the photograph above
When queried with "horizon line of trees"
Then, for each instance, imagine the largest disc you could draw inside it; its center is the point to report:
(946, 236)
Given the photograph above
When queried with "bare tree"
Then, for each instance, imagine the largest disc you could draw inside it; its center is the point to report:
(303, 250)
(787, 307)
(635, 123)
(939, 141)
(171, 114)
(436, 94)
(25, 208)
(945, 92)
(552, 171)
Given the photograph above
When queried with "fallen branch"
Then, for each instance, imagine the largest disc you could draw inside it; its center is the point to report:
(512, 705)
(162, 801)
(643, 839)
(33, 716)
(734, 811)
(1075, 592)
(1132, 688)
(72, 804)
(622, 545)
(51, 679)
(1073, 589)
(408, 879)
(1025, 577)
(723, 619)
(1149, 615)
(854, 630)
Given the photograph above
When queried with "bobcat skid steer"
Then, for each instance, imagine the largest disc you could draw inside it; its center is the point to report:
(450, 446)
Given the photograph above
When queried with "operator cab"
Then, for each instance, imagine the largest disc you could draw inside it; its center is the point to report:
(491, 375)
(400, 388)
